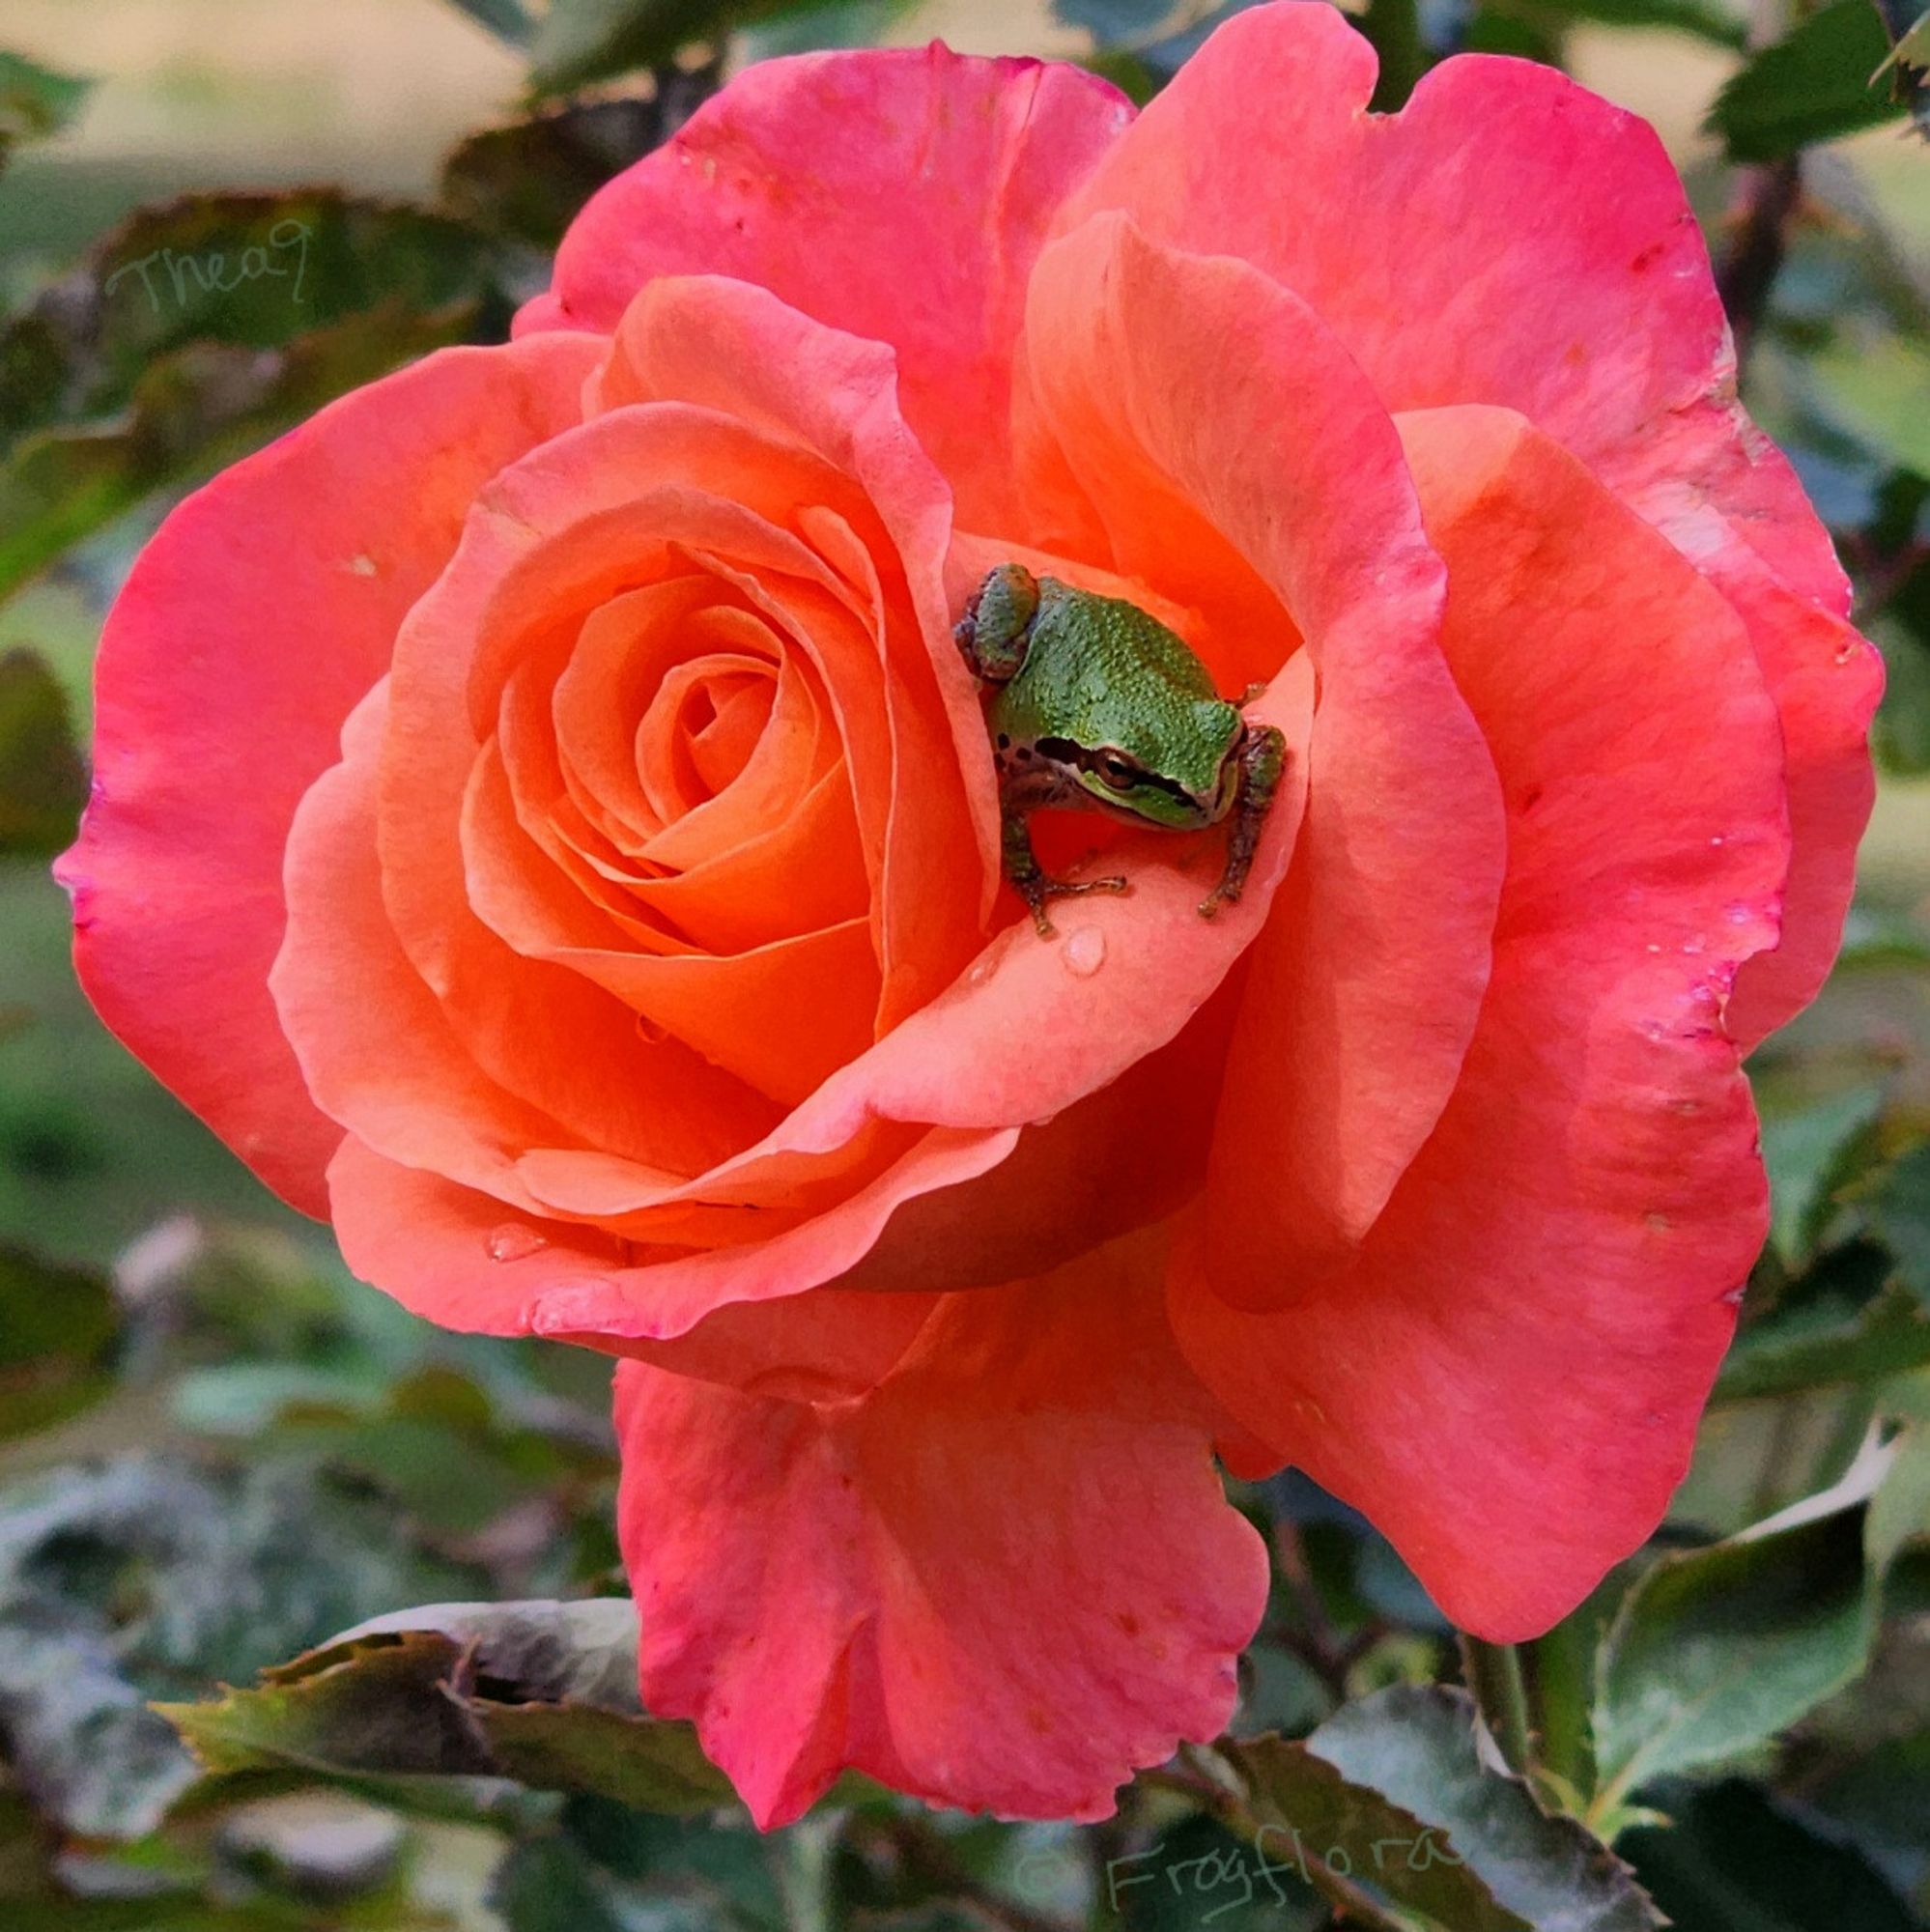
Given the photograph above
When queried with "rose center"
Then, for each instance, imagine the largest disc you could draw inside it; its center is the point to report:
(700, 727)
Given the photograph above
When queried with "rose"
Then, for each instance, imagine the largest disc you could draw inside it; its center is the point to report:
(543, 824)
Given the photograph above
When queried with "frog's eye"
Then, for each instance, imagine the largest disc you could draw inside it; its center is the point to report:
(1115, 771)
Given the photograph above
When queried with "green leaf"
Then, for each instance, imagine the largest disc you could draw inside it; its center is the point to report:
(1879, 1800)
(579, 42)
(541, 1693)
(1909, 63)
(43, 781)
(377, 1706)
(1736, 1857)
(1715, 1649)
(535, 1649)
(546, 1884)
(1197, 1872)
(143, 1575)
(199, 329)
(1704, 19)
(1306, 1820)
(1809, 1152)
(1899, 1212)
(1913, 48)
(193, 412)
(58, 1326)
(1418, 1746)
(1393, 1795)
(35, 101)
(719, 1868)
(526, 182)
(1899, 1514)
(1393, 29)
(1841, 1323)
(1813, 85)
(507, 20)
(807, 25)
(79, 1735)
(647, 1763)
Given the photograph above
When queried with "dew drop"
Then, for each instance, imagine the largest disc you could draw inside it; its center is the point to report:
(1716, 839)
(514, 1242)
(1085, 951)
(1652, 946)
(1692, 944)
(980, 971)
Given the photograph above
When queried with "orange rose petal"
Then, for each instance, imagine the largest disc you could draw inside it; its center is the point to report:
(919, 234)
(619, 654)
(825, 1345)
(804, 871)
(1367, 983)
(336, 529)
(799, 745)
(551, 836)
(1555, 1280)
(725, 345)
(408, 1088)
(782, 1017)
(776, 1184)
(679, 764)
(451, 1252)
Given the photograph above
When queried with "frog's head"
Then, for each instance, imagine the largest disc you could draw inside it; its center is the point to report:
(1173, 763)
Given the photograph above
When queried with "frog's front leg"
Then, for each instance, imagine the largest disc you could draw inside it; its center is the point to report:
(1262, 762)
(1030, 879)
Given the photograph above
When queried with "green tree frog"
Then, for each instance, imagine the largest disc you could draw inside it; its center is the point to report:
(1097, 704)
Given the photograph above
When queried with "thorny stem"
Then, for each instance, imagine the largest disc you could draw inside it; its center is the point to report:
(1767, 199)
(1493, 1673)
(1312, 1638)
(1768, 202)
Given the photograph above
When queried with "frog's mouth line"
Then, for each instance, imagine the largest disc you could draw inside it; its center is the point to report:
(1062, 750)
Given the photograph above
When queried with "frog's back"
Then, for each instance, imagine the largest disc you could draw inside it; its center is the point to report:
(1101, 657)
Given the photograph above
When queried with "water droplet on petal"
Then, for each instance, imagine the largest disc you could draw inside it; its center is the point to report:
(514, 1242)
(1716, 839)
(1085, 951)
(981, 971)
(1692, 944)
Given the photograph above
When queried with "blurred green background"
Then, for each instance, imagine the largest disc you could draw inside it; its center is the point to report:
(215, 1450)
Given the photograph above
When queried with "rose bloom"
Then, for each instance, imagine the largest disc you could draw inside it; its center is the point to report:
(544, 825)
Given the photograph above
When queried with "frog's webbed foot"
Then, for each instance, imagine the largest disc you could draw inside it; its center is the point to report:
(1031, 881)
(1262, 760)
(1044, 889)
